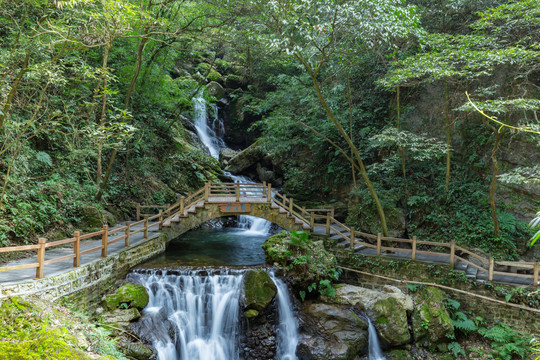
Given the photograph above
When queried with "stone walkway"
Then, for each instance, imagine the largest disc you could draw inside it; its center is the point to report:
(7, 277)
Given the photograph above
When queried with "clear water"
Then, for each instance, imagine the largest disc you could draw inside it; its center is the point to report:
(213, 247)
(287, 333)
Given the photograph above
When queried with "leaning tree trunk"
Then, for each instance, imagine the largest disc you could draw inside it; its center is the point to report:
(493, 185)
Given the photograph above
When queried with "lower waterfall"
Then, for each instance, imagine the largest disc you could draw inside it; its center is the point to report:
(195, 314)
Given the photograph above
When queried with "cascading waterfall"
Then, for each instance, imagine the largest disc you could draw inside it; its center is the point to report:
(288, 326)
(375, 352)
(212, 138)
(209, 135)
(194, 315)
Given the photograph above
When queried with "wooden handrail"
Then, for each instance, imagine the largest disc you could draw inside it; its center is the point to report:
(267, 195)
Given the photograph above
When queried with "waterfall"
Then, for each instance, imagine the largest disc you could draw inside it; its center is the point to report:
(375, 352)
(200, 311)
(194, 314)
(209, 135)
(212, 137)
(288, 326)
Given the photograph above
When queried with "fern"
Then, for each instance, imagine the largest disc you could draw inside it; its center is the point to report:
(456, 349)
(506, 343)
(44, 158)
(463, 323)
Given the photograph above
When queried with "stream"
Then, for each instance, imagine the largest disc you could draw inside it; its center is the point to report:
(196, 285)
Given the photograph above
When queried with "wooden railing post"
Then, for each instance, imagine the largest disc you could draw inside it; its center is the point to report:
(535, 274)
(413, 254)
(291, 206)
(146, 227)
(182, 204)
(312, 221)
(352, 239)
(452, 253)
(378, 244)
(206, 191)
(105, 241)
(264, 188)
(40, 258)
(138, 211)
(160, 220)
(327, 224)
(77, 249)
(269, 193)
(238, 192)
(128, 230)
(491, 267)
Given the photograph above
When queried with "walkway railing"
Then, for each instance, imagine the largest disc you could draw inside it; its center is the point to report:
(263, 193)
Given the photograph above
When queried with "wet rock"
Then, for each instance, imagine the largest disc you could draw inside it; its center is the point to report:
(93, 218)
(259, 290)
(331, 332)
(120, 319)
(131, 295)
(139, 351)
(431, 322)
(259, 342)
(388, 310)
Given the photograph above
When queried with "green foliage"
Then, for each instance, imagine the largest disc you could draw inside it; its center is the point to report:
(506, 343)
(30, 331)
(456, 349)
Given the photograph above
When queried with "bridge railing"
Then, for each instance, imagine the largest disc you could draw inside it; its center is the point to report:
(106, 235)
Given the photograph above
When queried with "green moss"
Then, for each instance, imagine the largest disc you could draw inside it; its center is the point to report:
(132, 295)
(259, 289)
(27, 334)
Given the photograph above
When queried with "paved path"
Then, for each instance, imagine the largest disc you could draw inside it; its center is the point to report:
(7, 277)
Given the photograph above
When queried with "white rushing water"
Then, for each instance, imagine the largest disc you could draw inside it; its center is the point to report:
(194, 315)
(375, 351)
(288, 326)
(211, 136)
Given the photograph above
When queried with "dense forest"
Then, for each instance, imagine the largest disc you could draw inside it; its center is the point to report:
(410, 117)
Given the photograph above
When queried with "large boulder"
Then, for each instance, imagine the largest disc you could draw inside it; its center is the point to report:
(388, 310)
(215, 89)
(331, 332)
(93, 218)
(139, 351)
(259, 291)
(245, 159)
(225, 155)
(431, 322)
(127, 296)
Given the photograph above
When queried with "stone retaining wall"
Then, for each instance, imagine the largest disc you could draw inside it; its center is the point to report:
(84, 286)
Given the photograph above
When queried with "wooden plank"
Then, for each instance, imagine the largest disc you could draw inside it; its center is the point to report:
(138, 223)
(527, 276)
(432, 253)
(136, 232)
(471, 264)
(60, 242)
(432, 243)
(407, 241)
(90, 235)
(117, 239)
(520, 264)
(459, 248)
(19, 248)
(97, 248)
(114, 231)
(368, 245)
(62, 258)
(19, 267)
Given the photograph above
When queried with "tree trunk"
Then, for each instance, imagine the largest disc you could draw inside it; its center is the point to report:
(103, 111)
(349, 97)
(353, 148)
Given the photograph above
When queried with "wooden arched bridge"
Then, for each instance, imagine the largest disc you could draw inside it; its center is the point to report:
(216, 200)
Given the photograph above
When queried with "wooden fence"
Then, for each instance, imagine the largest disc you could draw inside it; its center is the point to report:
(263, 193)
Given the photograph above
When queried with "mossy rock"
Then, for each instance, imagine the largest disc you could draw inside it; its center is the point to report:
(431, 322)
(391, 321)
(133, 295)
(233, 81)
(259, 290)
(139, 351)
